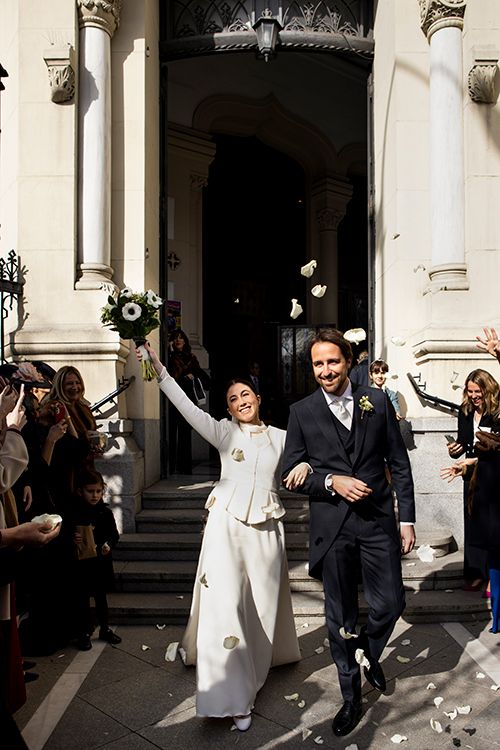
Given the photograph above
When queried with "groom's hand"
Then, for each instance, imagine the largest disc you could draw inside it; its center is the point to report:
(350, 488)
(407, 533)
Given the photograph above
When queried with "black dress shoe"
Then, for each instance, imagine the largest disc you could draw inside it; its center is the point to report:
(375, 676)
(347, 718)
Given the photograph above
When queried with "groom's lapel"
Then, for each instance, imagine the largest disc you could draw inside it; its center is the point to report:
(323, 417)
(360, 421)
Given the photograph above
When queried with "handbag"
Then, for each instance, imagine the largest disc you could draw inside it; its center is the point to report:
(86, 548)
(199, 392)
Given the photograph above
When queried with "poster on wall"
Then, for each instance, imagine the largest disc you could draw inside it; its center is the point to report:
(174, 315)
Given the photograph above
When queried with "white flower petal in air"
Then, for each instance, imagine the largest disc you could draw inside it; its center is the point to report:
(306, 733)
(406, 642)
(495, 687)
(464, 710)
(425, 553)
(326, 643)
(319, 740)
(292, 697)
(230, 641)
(430, 686)
(318, 290)
(361, 658)
(345, 635)
(161, 627)
(131, 311)
(301, 704)
(438, 701)
(319, 650)
(403, 659)
(398, 341)
(399, 738)
(351, 747)
(145, 648)
(296, 309)
(451, 714)
(355, 335)
(479, 676)
(171, 652)
(309, 268)
(436, 725)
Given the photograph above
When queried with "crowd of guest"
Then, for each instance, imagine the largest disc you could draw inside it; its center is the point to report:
(49, 567)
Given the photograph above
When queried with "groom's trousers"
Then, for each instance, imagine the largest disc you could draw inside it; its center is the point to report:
(361, 541)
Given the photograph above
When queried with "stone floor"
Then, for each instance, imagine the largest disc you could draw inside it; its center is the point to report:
(129, 698)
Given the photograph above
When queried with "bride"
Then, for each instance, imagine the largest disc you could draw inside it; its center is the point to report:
(241, 621)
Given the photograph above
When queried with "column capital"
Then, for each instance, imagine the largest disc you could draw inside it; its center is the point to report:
(438, 14)
(102, 14)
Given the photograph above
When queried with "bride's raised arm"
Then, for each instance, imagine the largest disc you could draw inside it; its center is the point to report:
(205, 425)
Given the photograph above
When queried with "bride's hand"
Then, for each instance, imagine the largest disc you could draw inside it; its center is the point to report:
(297, 476)
(157, 364)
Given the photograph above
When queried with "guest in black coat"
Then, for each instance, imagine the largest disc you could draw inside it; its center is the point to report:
(92, 526)
(479, 411)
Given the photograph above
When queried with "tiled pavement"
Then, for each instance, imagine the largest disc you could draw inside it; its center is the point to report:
(130, 698)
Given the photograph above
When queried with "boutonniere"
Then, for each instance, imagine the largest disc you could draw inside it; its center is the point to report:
(366, 406)
(237, 454)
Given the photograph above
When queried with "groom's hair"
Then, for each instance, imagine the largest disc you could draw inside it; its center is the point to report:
(332, 336)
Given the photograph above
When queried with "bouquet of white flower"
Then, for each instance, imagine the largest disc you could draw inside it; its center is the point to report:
(133, 315)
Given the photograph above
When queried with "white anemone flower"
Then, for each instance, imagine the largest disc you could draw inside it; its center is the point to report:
(355, 335)
(318, 290)
(296, 309)
(309, 268)
(126, 292)
(131, 311)
(153, 299)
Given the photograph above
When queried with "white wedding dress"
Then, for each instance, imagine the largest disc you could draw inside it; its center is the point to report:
(241, 621)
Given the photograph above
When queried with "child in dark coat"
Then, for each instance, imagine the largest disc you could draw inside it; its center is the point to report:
(94, 535)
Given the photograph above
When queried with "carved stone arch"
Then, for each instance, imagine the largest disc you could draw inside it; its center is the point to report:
(275, 126)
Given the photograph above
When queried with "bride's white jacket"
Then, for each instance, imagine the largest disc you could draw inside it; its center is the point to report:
(251, 469)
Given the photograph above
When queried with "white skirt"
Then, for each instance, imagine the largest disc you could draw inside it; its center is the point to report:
(241, 620)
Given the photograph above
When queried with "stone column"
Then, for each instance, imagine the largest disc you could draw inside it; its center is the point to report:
(98, 20)
(442, 22)
(330, 197)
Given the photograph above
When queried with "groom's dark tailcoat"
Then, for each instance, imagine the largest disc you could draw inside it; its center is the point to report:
(343, 533)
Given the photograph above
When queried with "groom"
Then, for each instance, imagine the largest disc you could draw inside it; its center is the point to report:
(349, 435)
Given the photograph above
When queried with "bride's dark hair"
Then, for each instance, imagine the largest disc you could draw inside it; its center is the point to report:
(243, 381)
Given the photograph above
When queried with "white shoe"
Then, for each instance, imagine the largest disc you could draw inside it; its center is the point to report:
(243, 722)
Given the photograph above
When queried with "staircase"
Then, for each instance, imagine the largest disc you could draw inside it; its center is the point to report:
(155, 567)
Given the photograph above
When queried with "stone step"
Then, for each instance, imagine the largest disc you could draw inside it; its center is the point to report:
(192, 499)
(192, 520)
(178, 575)
(421, 607)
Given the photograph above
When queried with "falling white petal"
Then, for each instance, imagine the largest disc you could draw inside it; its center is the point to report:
(319, 740)
(494, 687)
(171, 651)
(398, 341)
(292, 697)
(425, 553)
(430, 686)
(161, 627)
(326, 643)
(436, 725)
(318, 290)
(398, 738)
(296, 309)
(301, 704)
(306, 733)
(230, 641)
(403, 659)
(232, 727)
(319, 650)
(464, 710)
(145, 648)
(309, 268)
(351, 747)
(410, 564)
(406, 642)
(355, 335)
(345, 635)
(451, 714)
(361, 658)
(479, 676)
(305, 625)
(438, 701)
